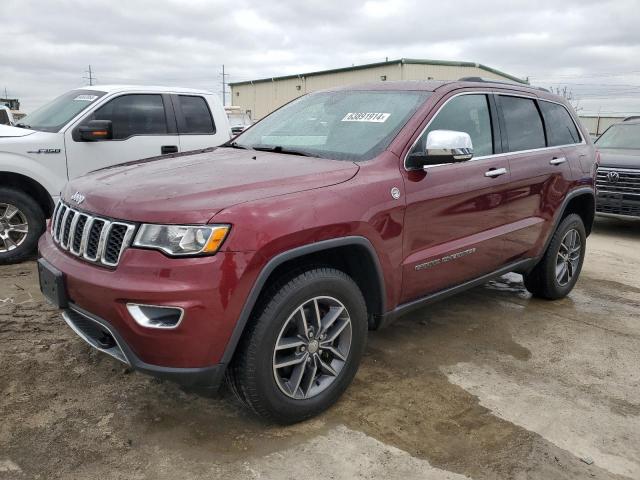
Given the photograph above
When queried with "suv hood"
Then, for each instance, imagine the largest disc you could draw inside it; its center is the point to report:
(621, 158)
(193, 188)
(9, 131)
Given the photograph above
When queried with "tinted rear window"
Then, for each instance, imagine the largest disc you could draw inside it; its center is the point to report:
(196, 114)
(560, 127)
(523, 123)
(4, 117)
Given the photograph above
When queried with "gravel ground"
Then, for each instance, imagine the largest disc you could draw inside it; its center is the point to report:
(488, 384)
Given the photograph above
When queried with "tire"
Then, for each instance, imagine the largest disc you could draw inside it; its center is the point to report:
(15, 246)
(254, 375)
(546, 280)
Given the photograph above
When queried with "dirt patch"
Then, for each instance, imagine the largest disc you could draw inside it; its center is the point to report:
(431, 394)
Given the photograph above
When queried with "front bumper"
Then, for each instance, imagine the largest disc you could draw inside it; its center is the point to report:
(102, 336)
(211, 290)
(618, 204)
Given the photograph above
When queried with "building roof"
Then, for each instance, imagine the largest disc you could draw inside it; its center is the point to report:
(410, 61)
(146, 88)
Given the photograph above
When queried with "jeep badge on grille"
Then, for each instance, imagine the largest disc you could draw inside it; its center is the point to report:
(77, 197)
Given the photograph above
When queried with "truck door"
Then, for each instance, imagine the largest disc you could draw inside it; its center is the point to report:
(143, 125)
(199, 125)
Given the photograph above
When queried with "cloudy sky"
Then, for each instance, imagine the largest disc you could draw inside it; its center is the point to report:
(592, 47)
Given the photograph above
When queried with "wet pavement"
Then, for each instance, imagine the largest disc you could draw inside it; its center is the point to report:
(488, 384)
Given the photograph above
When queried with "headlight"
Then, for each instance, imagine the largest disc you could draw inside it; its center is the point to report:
(182, 239)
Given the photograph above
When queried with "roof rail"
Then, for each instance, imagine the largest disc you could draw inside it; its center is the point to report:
(501, 82)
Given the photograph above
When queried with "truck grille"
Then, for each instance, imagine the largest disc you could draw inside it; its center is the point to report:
(618, 191)
(91, 238)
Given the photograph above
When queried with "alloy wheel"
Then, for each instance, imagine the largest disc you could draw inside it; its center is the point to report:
(13, 227)
(312, 347)
(568, 258)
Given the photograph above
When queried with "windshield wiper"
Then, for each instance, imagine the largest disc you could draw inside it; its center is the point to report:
(280, 149)
(236, 145)
(22, 125)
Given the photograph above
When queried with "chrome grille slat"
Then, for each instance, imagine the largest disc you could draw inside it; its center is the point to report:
(94, 236)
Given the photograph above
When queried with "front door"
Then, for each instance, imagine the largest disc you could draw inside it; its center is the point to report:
(456, 213)
(143, 126)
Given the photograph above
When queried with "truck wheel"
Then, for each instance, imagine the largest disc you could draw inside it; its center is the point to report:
(557, 273)
(302, 349)
(21, 224)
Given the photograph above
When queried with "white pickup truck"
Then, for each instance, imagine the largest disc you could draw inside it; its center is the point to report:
(87, 129)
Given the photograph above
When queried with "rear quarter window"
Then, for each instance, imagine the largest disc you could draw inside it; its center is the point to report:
(561, 130)
(523, 123)
(195, 114)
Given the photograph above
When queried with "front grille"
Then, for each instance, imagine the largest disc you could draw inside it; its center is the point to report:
(91, 238)
(626, 182)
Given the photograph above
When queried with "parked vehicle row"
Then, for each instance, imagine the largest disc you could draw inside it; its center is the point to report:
(88, 129)
(267, 260)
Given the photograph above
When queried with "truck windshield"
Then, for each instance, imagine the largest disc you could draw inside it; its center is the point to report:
(57, 113)
(345, 125)
(621, 136)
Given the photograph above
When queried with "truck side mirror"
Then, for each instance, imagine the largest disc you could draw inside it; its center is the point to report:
(443, 146)
(96, 130)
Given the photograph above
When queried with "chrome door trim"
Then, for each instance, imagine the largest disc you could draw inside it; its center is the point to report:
(495, 155)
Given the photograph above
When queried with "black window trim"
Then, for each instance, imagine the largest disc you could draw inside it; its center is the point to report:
(168, 113)
(181, 122)
(540, 100)
(504, 153)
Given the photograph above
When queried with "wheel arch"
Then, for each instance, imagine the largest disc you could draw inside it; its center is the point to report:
(354, 255)
(31, 187)
(583, 203)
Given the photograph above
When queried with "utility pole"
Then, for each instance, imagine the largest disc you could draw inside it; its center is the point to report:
(224, 86)
(90, 76)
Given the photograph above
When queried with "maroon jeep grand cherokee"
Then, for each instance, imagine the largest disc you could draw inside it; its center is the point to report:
(269, 259)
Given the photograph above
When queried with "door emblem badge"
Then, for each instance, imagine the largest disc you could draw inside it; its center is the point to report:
(613, 177)
(395, 193)
(77, 197)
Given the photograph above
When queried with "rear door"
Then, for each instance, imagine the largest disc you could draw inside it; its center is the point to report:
(540, 172)
(455, 214)
(143, 124)
(197, 123)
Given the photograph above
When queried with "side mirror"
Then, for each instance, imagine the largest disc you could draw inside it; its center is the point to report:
(96, 130)
(442, 146)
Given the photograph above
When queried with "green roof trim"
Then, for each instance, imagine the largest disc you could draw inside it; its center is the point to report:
(401, 61)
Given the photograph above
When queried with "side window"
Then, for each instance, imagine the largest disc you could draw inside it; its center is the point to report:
(196, 115)
(561, 130)
(4, 117)
(523, 123)
(134, 115)
(466, 113)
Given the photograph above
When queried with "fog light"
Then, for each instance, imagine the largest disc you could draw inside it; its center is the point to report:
(155, 316)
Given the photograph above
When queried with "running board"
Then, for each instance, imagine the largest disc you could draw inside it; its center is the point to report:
(389, 317)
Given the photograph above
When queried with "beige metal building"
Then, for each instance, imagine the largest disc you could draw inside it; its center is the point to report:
(261, 97)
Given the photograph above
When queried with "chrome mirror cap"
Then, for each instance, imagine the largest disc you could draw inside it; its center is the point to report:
(449, 143)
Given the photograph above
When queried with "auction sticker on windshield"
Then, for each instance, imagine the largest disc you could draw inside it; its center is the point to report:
(86, 98)
(375, 117)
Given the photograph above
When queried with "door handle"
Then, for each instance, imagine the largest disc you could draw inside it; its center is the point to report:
(168, 149)
(495, 172)
(558, 160)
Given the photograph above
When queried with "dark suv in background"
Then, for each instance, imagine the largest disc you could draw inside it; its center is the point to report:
(618, 180)
(269, 259)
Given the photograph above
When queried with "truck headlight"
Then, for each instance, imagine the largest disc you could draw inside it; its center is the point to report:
(181, 240)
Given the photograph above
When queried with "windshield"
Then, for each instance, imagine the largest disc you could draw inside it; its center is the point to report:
(345, 125)
(57, 113)
(621, 136)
